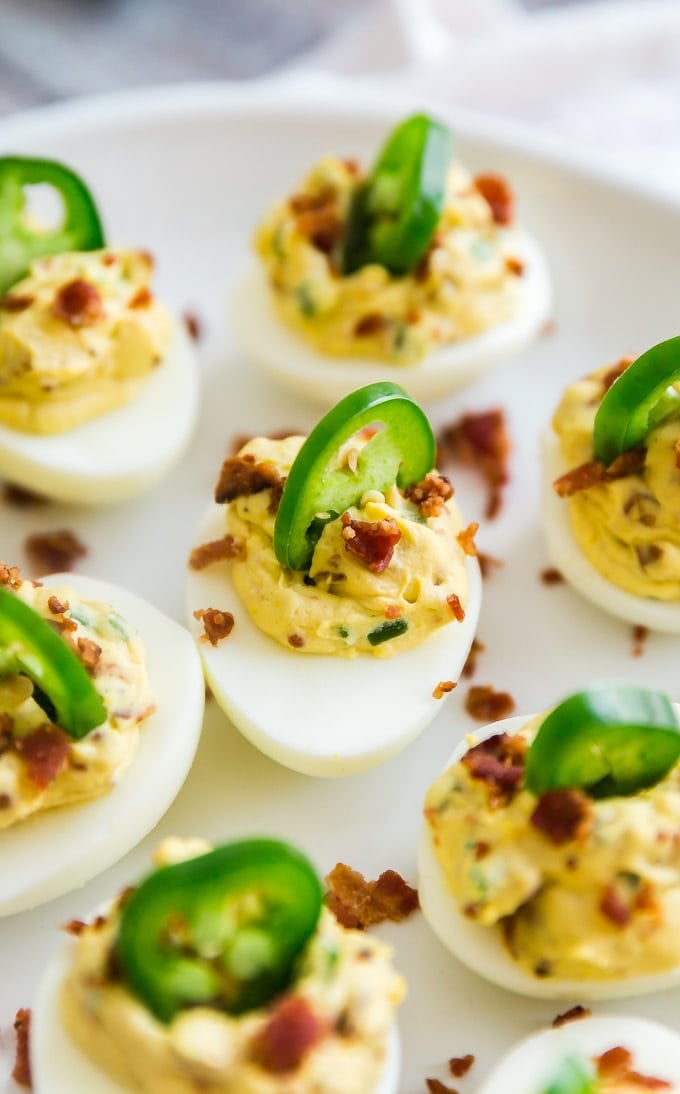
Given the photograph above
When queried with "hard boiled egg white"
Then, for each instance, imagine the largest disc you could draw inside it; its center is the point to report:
(534, 1063)
(58, 1066)
(60, 849)
(121, 453)
(325, 379)
(565, 553)
(481, 948)
(322, 715)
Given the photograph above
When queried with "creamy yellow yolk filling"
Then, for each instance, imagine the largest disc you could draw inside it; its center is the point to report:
(340, 602)
(70, 354)
(470, 280)
(628, 528)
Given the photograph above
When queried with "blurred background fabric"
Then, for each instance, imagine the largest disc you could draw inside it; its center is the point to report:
(601, 73)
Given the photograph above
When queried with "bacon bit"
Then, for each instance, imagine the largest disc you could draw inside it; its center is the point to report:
(50, 551)
(74, 926)
(21, 1072)
(21, 498)
(470, 666)
(552, 576)
(78, 303)
(109, 260)
(443, 688)
(242, 439)
(45, 752)
(495, 189)
(193, 326)
(456, 607)
(63, 625)
(594, 472)
(56, 607)
(480, 441)
(648, 554)
(356, 902)
(499, 762)
(322, 226)
(574, 1014)
(640, 635)
(10, 576)
(487, 563)
(88, 652)
(620, 367)
(562, 816)
(614, 907)
(514, 265)
(275, 497)
(615, 1065)
(371, 542)
(16, 303)
(430, 494)
(290, 1033)
(216, 624)
(296, 641)
(436, 1086)
(218, 550)
(393, 611)
(241, 476)
(466, 538)
(141, 299)
(480, 850)
(372, 323)
(485, 704)
(460, 1065)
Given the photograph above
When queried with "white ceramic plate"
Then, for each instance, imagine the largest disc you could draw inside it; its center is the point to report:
(201, 165)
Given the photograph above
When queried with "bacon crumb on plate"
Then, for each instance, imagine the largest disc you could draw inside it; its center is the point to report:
(359, 903)
(21, 1073)
(470, 666)
(19, 497)
(460, 1065)
(193, 325)
(49, 552)
(436, 1086)
(574, 1014)
(480, 441)
(485, 704)
(640, 636)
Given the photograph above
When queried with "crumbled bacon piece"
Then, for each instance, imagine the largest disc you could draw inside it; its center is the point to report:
(371, 323)
(45, 752)
(10, 576)
(614, 906)
(499, 762)
(594, 472)
(372, 542)
(88, 652)
(317, 218)
(15, 302)
(141, 299)
(291, 1032)
(552, 576)
(296, 641)
(496, 191)
(562, 816)
(615, 1065)
(393, 611)
(58, 550)
(613, 374)
(19, 497)
(640, 636)
(480, 441)
(466, 538)
(242, 475)
(56, 607)
(216, 624)
(218, 550)
(430, 494)
(453, 601)
(485, 704)
(193, 325)
(359, 903)
(514, 265)
(574, 1014)
(648, 554)
(487, 563)
(460, 1065)
(78, 303)
(21, 1072)
(74, 926)
(443, 688)
(470, 666)
(275, 495)
(436, 1086)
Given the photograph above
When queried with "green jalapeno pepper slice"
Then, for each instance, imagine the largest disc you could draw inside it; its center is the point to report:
(20, 242)
(394, 213)
(638, 400)
(224, 929)
(401, 450)
(30, 647)
(574, 1078)
(608, 741)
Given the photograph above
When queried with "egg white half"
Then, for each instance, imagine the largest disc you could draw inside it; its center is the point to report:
(567, 556)
(121, 453)
(314, 713)
(325, 379)
(58, 850)
(57, 1065)
(534, 1063)
(481, 948)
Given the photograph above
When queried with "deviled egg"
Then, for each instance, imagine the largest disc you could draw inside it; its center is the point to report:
(547, 861)
(415, 267)
(281, 999)
(94, 750)
(611, 488)
(98, 384)
(612, 1053)
(345, 569)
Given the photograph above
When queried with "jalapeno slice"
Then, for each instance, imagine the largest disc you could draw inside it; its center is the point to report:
(30, 647)
(395, 212)
(638, 400)
(20, 241)
(574, 1077)
(608, 741)
(224, 929)
(402, 450)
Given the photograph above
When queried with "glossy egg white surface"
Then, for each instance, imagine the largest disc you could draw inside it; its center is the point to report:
(567, 556)
(322, 715)
(481, 948)
(58, 1066)
(534, 1063)
(325, 379)
(119, 454)
(60, 849)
